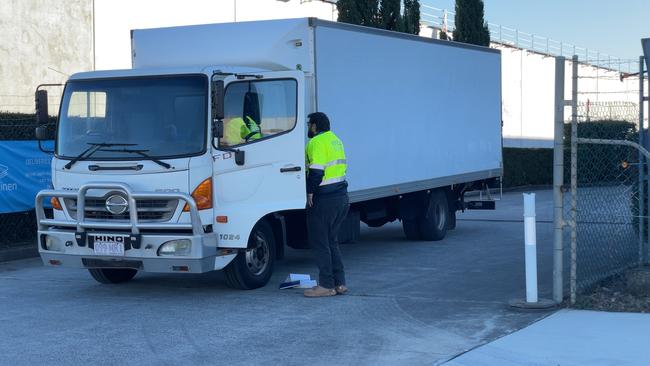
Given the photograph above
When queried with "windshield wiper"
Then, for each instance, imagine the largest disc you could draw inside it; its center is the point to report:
(94, 147)
(142, 153)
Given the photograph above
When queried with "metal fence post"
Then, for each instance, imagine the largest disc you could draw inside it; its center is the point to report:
(643, 245)
(558, 182)
(574, 177)
(517, 38)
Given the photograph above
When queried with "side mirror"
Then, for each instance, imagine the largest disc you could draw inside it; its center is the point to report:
(42, 116)
(44, 133)
(217, 99)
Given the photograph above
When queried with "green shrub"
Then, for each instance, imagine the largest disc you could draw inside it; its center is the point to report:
(20, 126)
(527, 167)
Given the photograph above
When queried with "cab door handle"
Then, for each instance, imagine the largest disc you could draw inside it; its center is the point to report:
(290, 169)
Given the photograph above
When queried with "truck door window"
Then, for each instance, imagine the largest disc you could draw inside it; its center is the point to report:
(257, 110)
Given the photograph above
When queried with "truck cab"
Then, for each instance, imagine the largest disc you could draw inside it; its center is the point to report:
(145, 177)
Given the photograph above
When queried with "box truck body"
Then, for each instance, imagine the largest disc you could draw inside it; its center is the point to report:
(165, 187)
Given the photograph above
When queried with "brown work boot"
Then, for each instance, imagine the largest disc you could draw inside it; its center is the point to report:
(318, 291)
(341, 289)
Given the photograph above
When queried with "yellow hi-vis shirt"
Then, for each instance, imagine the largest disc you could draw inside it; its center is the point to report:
(236, 130)
(325, 152)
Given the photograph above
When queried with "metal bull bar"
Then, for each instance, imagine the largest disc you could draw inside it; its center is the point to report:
(81, 224)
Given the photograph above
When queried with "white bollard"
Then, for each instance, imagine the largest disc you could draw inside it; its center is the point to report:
(530, 243)
(532, 301)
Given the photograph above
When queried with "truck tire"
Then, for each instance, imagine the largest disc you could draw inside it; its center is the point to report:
(112, 275)
(253, 267)
(433, 225)
(411, 229)
(451, 223)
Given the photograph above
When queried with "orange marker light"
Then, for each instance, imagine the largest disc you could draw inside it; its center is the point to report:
(202, 196)
(222, 219)
(56, 204)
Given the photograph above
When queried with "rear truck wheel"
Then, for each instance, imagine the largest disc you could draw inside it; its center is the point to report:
(411, 229)
(454, 205)
(253, 267)
(451, 223)
(433, 224)
(112, 275)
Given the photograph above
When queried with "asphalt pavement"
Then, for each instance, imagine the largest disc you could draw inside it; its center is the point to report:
(416, 303)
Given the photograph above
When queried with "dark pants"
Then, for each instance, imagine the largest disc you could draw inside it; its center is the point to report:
(323, 223)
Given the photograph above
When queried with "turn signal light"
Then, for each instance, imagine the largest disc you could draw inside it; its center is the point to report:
(202, 196)
(56, 204)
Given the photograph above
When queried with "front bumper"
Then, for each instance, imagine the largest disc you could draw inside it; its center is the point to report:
(74, 249)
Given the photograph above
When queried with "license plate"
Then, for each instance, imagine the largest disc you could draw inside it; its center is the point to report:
(109, 245)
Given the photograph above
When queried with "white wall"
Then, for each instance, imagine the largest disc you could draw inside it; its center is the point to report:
(114, 19)
(41, 41)
(528, 82)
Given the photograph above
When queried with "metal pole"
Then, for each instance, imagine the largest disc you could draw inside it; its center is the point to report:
(532, 42)
(642, 161)
(558, 182)
(574, 177)
(516, 38)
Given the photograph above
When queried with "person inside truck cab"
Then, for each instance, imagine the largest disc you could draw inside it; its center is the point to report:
(241, 122)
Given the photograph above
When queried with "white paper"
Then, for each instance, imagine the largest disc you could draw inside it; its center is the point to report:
(297, 277)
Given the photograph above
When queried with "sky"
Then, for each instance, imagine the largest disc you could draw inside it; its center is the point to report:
(611, 27)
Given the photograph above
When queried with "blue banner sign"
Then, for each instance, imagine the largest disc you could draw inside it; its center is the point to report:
(24, 170)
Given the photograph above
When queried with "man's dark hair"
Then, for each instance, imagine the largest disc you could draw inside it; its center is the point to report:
(321, 121)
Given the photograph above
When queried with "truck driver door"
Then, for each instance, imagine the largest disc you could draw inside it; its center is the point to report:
(264, 117)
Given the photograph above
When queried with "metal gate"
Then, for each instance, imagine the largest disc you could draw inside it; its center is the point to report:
(600, 181)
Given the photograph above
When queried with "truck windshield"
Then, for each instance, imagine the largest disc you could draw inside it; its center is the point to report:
(164, 116)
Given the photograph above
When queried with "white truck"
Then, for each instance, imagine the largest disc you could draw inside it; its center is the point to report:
(158, 168)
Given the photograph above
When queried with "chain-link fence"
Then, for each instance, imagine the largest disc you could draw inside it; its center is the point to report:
(605, 204)
(607, 195)
(18, 126)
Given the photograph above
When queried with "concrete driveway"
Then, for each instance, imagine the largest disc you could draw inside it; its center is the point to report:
(410, 303)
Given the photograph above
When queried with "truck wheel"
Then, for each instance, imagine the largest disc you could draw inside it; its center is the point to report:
(253, 267)
(112, 275)
(451, 223)
(411, 229)
(433, 225)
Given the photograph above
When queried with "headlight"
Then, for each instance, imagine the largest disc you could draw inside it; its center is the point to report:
(176, 247)
(53, 243)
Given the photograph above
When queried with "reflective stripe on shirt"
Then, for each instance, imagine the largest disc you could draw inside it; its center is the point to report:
(332, 181)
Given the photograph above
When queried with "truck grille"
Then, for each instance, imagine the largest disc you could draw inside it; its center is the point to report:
(148, 210)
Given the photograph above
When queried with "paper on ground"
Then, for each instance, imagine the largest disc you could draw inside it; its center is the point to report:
(305, 280)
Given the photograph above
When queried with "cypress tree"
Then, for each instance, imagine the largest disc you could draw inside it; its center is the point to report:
(385, 14)
(470, 23)
(411, 17)
(361, 12)
(389, 13)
